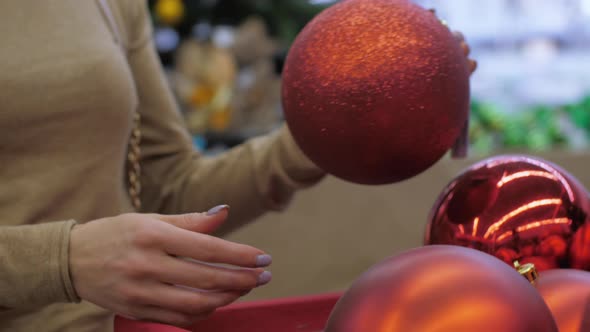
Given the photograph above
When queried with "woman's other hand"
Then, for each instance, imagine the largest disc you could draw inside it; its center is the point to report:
(466, 50)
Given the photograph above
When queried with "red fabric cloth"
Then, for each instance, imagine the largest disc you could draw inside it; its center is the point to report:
(301, 314)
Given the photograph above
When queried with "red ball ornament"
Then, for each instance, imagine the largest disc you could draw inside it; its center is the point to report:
(443, 289)
(516, 208)
(567, 293)
(376, 91)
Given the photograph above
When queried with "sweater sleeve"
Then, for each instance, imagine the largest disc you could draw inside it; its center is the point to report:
(34, 265)
(258, 176)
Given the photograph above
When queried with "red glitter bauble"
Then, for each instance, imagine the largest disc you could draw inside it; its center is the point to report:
(516, 208)
(376, 91)
(443, 289)
(567, 293)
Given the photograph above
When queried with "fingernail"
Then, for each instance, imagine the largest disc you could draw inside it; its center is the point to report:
(466, 48)
(263, 260)
(264, 278)
(217, 209)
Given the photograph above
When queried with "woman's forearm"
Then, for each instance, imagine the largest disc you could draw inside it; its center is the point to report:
(34, 267)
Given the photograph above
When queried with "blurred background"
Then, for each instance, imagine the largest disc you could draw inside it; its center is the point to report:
(531, 91)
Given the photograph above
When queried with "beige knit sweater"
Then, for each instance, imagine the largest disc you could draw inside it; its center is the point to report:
(67, 95)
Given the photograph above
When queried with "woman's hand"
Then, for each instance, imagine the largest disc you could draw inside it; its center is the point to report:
(130, 264)
(466, 50)
(461, 39)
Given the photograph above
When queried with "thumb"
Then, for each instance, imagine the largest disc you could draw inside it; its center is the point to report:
(205, 223)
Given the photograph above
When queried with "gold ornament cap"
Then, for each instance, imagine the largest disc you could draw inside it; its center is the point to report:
(529, 271)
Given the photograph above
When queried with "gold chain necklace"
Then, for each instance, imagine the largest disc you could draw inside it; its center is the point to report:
(133, 150)
(134, 168)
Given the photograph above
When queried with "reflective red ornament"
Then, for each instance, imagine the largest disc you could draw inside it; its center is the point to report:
(376, 91)
(516, 208)
(567, 293)
(443, 289)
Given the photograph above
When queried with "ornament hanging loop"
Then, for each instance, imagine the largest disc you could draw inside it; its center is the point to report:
(529, 271)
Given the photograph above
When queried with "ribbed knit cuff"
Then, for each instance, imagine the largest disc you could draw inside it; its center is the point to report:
(64, 262)
(296, 164)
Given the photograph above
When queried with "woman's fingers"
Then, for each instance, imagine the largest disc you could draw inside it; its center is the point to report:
(180, 236)
(187, 301)
(205, 223)
(459, 36)
(461, 39)
(162, 316)
(167, 304)
(177, 271)
(472, 65)
(466, 49)
(206, 248)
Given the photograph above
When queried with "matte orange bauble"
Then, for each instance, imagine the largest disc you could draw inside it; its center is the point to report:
(516, 207)
(567, 293)
(376, 91)
(442, 289)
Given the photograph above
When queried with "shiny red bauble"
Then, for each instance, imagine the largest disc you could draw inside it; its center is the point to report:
(567, 293)
(516, 208)
(375, 91)
(443, 289)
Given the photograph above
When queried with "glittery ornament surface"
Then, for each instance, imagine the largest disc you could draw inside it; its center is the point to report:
(567, 293)
(376, 91)
(516, 208)
(443, 289)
